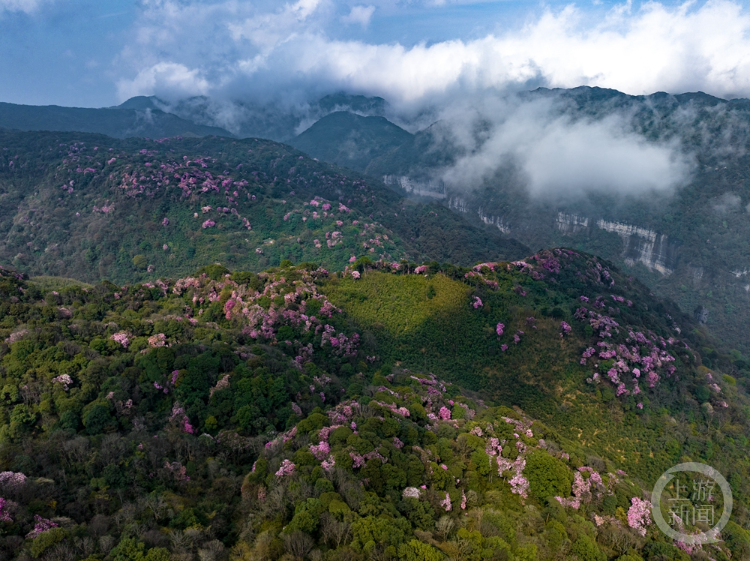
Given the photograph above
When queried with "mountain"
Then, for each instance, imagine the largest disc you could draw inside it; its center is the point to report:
(689, 244)
(279, 119)
(513, 410)
(133, 118)
(93, 207)
(350, 140)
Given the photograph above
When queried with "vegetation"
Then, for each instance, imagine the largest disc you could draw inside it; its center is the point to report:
(297, 413)
(95, 208)
(700, 231)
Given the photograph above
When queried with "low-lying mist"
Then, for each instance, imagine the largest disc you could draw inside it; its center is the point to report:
(557, 153)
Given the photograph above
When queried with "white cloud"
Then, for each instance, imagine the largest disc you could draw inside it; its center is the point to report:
(236, 49)
(170, 79)
(360, 15)
(556, 154)
(26, 6)
(266, 30)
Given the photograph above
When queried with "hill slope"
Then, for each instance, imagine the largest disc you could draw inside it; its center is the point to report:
(289, 413)
(93, 207)
(118, 122)
(690, 246)
(350, 140)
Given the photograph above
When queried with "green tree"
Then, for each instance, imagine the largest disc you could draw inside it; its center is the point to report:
(417, 551)
(548, 476)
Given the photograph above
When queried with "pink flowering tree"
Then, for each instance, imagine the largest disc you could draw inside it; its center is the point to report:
(639, 515)
(287, 468)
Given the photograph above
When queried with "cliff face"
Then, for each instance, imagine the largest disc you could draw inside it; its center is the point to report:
(431, 189)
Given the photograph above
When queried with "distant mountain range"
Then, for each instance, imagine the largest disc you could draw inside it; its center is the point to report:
(133, 118)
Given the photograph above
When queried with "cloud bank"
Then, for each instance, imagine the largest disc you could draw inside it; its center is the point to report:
(231, 49)
(555, 154)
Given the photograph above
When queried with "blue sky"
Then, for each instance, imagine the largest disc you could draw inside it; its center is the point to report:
(98, 53)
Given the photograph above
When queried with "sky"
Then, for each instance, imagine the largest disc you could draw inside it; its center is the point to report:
(95, 53)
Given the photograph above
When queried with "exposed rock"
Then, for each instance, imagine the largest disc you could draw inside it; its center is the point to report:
(701, 314)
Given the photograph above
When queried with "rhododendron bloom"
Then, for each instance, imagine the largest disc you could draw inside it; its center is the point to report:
(446, 504)
(355, 274)
(158, 340)
(12, 479)
(444, 413)
(499, 329)
(287, 468)
(639, 515)
(122, 338)
(4, 516)
(41, 525)
(63, 379)
(321, 450)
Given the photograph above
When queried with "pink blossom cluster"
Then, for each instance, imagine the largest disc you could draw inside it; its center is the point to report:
(403, 411)
(4, 514)
(328, 463)
(122, 338)
(158, 340)
(286, 468)
(41, 525)
(359, 460)
(446, 503)
(179, 471)
(321, 450)
(178, 413)
(63, 379)
(12, 479)
(639, 515)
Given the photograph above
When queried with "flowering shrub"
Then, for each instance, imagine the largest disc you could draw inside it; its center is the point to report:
(41, 525)
(287, 468)
(639, 515)
(122, 338)
(63, 379)
(12, 480)
(446, 503)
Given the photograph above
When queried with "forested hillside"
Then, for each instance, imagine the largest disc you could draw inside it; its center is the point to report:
(513, 410)
(92, 207)
(128, 120)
